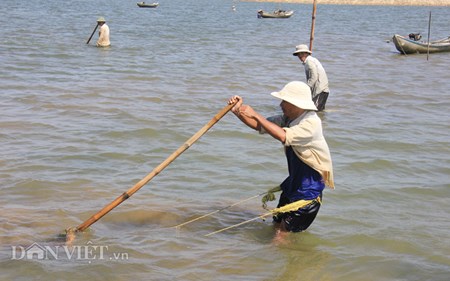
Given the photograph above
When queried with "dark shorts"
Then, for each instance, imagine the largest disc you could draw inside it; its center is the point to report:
(320, 100)
(299, 220)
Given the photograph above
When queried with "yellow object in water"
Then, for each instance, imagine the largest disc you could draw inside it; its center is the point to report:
(295, 206)
(270, 196)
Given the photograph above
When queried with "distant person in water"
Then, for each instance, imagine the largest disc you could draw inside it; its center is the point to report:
(316, 77)
(103, 34)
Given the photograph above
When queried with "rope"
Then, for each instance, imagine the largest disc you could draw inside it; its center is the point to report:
(241, 223)
(219, 210)
(402, 49)
(286, 208)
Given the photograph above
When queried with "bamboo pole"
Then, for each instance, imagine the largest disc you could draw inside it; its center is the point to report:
(429, 30)
(92, 34)
(70, 231)
(313, 22)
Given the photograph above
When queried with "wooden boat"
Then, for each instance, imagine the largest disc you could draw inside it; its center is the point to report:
(277, 14)
(411, 46)
(143, 5)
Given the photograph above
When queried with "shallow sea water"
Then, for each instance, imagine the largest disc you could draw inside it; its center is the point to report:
(81, 125)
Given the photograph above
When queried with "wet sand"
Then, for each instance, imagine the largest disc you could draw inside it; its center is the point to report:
(367, 2)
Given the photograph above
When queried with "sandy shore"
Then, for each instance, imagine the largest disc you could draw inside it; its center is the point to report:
(366, 2)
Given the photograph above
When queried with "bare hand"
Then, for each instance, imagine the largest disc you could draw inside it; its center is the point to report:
(247, 111)
(237, 100)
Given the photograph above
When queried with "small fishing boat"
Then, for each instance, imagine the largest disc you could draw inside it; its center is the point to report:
(143, 5)
(412, 45)
(277, 14)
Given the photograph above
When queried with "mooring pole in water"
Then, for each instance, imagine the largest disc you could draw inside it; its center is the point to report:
(313, 22)
(429, 28)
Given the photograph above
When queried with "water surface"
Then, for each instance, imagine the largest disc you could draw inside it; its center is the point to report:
(81, 125)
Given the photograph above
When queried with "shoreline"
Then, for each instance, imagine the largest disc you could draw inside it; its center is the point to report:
(364, 2)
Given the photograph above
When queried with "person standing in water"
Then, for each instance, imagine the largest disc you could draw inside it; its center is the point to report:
(103, 34)
(316, 77)
(299, 129)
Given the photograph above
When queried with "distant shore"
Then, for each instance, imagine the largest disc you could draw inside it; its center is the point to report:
(365, 2)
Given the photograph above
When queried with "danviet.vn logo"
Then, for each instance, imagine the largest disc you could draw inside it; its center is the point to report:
(88, 252)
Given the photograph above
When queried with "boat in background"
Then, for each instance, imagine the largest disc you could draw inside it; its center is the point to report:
(143, 5)
(277, 14)
(412, 45)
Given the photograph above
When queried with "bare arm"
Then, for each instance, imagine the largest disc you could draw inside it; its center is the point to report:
(271, 128)
(237, 111)
(255, 120)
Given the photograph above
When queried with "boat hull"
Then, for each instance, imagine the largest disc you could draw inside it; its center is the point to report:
(274, 15)
(143, 5)
(408, 46)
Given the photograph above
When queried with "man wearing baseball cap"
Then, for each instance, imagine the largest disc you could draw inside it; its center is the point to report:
(316, 77)
(299, 129)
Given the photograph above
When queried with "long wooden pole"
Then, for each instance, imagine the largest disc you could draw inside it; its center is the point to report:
(92, 34)
(152, 174)
(313, 22)
(429, 30)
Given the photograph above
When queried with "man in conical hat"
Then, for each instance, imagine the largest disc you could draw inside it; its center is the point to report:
(299, 129)
(103, 33)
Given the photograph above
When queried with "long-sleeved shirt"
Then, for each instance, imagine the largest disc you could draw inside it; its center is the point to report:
(316, 76)
(103, 36)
